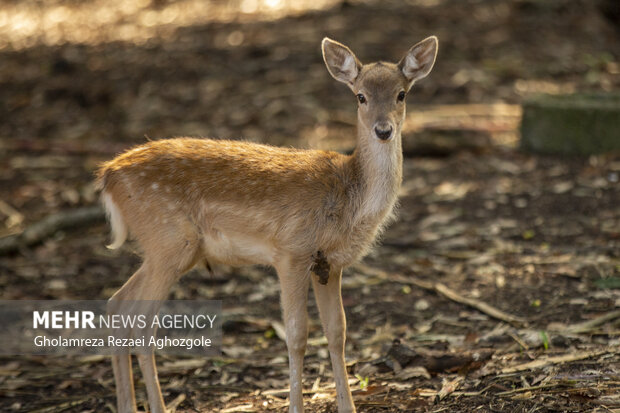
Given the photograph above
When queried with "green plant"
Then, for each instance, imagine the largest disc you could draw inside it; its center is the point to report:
(363, 381)
(545, 339)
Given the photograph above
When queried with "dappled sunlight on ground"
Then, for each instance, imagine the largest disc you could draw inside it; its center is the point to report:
(481, 224)
(26, 23)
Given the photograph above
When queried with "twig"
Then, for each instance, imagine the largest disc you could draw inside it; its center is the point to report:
(446, 292)
(588, 326)
(172, 407)
(474, 393)
(479, 305)
(516, 338)
(553, 360)
(526, 389)
(61, 407)
(14, 217)
(241, 408)
(49, 225)
(279, 329)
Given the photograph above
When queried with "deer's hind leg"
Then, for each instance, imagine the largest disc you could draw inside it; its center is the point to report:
(166, 259)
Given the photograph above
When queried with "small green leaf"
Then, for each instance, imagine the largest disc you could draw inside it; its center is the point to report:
(528, 234)
(535, 303)
(406, 289)
(545, 339)
(363, 381)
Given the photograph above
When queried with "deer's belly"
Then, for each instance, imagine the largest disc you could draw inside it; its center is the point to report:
(233, 248)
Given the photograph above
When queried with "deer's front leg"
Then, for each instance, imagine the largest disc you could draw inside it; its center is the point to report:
(153, 390)
(294, 286)
(125, 395)
(329, 301)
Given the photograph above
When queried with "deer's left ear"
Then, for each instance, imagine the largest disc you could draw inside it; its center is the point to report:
(419, 60)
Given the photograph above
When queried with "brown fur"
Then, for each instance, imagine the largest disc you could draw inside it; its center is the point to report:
(221, 186)
(190, 200)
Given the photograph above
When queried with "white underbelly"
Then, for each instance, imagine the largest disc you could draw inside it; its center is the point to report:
(237, 249)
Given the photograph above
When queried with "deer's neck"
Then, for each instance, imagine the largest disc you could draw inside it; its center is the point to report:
(378, 166)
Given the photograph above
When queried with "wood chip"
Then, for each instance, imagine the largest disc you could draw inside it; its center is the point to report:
(580, 355)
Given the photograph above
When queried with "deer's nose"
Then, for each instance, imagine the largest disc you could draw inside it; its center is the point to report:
(383, 132)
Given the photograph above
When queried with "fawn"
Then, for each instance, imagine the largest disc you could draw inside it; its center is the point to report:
(304, 212)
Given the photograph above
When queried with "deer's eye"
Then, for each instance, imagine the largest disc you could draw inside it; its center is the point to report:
(361, 98)
(401, 96)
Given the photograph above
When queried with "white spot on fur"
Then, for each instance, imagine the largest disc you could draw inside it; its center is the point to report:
(154, 185)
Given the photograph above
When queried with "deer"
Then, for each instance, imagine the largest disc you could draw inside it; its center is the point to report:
(307, 213)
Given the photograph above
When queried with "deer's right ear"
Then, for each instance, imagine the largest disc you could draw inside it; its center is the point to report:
(340, 61)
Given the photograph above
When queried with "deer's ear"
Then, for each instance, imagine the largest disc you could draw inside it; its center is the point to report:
(419, 60)
(340, 61)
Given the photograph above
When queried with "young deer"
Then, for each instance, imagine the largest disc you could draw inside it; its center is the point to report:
(187, 201)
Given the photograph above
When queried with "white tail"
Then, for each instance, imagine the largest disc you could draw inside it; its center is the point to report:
(304, 212)
(119, 229)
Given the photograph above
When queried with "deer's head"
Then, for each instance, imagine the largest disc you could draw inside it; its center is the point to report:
(380, 88)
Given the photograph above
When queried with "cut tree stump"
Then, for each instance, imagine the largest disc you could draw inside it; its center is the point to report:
(579, 124)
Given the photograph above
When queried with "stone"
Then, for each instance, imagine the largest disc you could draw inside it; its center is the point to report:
(578, 124)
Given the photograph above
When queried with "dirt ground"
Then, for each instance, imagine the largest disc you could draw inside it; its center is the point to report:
(481, 225)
